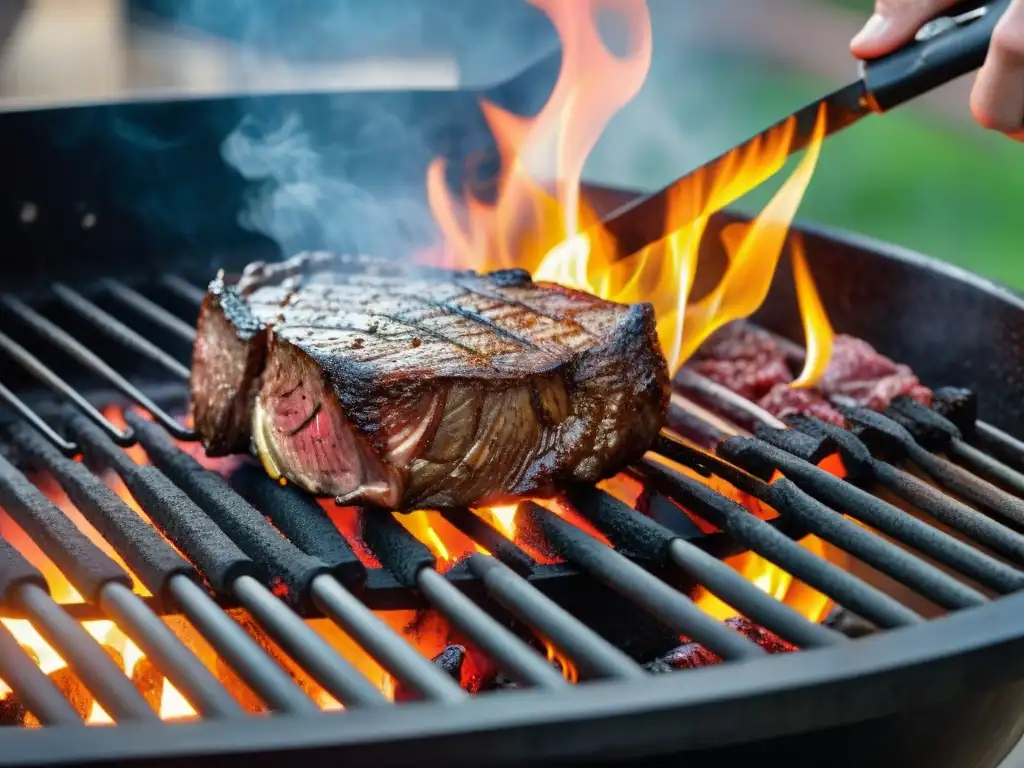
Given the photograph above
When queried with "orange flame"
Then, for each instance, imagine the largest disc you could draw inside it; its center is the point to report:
(558, 238)
(817, 328)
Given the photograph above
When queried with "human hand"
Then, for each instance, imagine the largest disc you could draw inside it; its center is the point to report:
(997, 99)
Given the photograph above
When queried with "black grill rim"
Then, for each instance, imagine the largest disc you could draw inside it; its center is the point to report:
(961, 653)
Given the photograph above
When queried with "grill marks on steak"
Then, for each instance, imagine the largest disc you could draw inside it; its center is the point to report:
(427, 389)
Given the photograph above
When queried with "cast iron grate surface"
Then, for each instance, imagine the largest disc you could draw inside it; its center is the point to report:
(220, 542)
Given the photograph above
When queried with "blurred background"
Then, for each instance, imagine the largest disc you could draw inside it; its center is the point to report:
(924, 176)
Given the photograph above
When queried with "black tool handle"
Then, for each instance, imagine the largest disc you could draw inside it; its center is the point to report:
(945, 48)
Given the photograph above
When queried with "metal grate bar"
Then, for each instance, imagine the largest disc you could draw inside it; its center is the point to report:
(117, 330)
(300, 572)
(520, 661)
(1007, 444)
(101, 580)
(151, 310)
(731, 405)
(953, 513)
(488, 537)
(165, 573)
(70, 345)
(413, 565)
(630, 530)
(229, 570)
(926, 498)
(168, 653)
(843, 587)
(697, 423)
(944, 472)
(985, 465)
(671, 607)
(403, 661)
(310, 651)
(36, 368)
(239, 650)
(181, 287)
(790, 501)
(33, 689)
(9, 398)
(23, 587)
(757, 455)
(87, 659)
(593, 655)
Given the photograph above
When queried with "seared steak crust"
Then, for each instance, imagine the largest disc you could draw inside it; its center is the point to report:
(425, 388)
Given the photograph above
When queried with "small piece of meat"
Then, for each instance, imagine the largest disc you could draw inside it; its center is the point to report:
(746, 360)
(752, 380)
(407, 389)
(740, 341)
(751, 363)
(783, 400)
(857, 371)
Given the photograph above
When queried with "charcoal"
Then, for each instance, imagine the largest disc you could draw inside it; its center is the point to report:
(848, 623)
(690, 654)
(498, 681)
(958, 405)
(450, 660)
(686, 656)
(768, 640)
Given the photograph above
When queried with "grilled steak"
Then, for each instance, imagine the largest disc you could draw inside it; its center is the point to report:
(426, 388)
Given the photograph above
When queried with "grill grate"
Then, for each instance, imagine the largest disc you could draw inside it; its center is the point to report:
(273, 550)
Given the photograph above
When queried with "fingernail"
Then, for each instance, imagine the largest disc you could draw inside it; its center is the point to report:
(871, 31)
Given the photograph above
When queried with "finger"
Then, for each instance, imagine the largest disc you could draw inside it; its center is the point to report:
(997, 100)
(894, 23)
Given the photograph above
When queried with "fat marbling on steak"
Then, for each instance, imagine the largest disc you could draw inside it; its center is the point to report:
(419, 388)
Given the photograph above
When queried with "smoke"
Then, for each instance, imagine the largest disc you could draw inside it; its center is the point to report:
(302, 195)
(316, 181)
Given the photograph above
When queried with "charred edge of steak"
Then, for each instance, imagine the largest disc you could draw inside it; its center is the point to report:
(227, 360)
(627, 377)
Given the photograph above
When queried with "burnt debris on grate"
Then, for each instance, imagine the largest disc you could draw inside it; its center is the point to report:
(247, 541)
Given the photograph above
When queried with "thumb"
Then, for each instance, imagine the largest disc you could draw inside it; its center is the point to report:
(893, 24)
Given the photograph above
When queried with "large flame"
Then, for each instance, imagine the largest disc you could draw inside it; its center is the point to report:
(548, 229)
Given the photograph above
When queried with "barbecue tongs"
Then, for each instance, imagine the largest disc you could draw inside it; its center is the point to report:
(945, 48)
